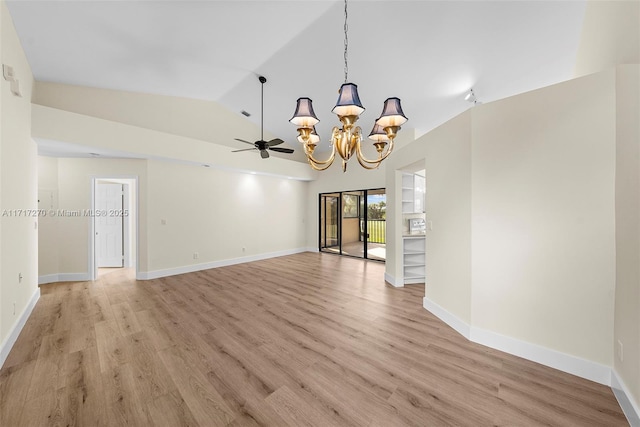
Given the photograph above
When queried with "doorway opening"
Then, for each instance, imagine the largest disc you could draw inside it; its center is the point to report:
(114, 225)
(353, 223)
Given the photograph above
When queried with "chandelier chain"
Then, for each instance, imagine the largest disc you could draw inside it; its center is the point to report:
(346, 44)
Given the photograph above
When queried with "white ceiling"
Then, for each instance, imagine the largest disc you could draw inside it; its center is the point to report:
(428, 53)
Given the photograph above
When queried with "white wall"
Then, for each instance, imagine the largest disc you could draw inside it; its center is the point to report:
(18, 189)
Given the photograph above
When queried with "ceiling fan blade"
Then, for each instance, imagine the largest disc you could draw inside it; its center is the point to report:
(242, 140)
(244, 149)
(282, 150)
(264, 154)
(273, 142)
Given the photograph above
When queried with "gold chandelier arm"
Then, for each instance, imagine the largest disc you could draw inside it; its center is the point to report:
(362, 158)
(318, 168)
(367, 166)
(327, 162)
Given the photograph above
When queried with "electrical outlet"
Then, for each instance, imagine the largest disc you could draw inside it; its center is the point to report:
(163, 222)
(620, 351)
(244, 249)
(19, 277)
(196, 255)
(14, 308)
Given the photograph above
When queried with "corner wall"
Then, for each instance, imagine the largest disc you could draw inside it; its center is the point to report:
(522, 252)
(18, 186)
(543, 217)
(627, 293)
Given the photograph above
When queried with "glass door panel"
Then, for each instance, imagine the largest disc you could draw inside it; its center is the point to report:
(376, 224)
(329, 223)
(353, 216)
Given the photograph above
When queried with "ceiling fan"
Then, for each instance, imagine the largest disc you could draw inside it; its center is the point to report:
(262, 145)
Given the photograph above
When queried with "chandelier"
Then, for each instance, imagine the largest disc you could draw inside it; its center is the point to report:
(346, 140)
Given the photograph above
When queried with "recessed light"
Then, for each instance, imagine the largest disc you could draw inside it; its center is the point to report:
(206, 166)
(245, 113)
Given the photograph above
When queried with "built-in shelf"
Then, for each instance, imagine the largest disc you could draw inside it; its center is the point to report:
(413, 188)
(413, 254)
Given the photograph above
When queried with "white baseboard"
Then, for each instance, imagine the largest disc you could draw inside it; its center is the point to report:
(629, 406)
(63, 277)
(545, 356)
(563, 362)
(156, 274)
(312, 250)
(450, 319)
(8, 342)
(392, 281)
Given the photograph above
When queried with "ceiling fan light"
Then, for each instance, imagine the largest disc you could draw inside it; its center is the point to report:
(304, 115)
(378, 134)
(392, 114)
(348, 101)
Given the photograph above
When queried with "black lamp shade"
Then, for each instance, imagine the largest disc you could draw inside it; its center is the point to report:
(348, 101)
(392, 114)
(378, 134)
(304, 115)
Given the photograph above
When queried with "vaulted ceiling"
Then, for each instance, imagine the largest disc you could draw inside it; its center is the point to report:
(428, 53)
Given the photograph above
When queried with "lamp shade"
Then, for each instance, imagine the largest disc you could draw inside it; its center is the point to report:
(313, 137)
(378, 134)
(348, 101)
(304, 115)
(392, 114)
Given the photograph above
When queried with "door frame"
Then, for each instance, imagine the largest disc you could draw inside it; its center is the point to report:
(93, 266)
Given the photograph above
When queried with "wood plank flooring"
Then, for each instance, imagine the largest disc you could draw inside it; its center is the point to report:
(304, 340)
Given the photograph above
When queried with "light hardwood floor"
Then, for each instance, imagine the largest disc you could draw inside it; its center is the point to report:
(307, 339)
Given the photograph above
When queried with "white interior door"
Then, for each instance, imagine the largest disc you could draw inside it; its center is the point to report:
(109, 225)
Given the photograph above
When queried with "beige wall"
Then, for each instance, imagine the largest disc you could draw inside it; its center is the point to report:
(627, 294)
(167, 114)
(74, 194)
(521, 196)
(48, 238)
(543, 217)
(350, 230)
(206, 211)
(445, 155)
(220, 215)
(18, 184)
(610, 36)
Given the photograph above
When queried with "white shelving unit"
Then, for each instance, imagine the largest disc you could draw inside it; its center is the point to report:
(413, 251)
(407, 193)
(413, 187)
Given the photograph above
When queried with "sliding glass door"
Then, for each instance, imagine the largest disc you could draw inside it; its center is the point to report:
(353, 223)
